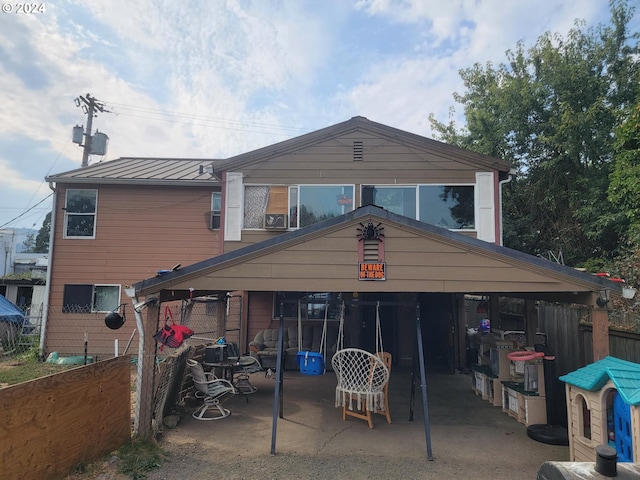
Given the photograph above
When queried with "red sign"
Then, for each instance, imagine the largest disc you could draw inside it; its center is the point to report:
(345, 200)
(371, 271)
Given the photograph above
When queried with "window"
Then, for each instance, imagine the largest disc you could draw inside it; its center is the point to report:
(80, 213)
(261, 199)
(90, 298)
(447, 206)
(304, 204)
(400, 200)
(216, 208)
(313, 305)
(584, 415)
(310, 204)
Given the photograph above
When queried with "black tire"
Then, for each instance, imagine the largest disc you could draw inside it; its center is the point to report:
(548, 434)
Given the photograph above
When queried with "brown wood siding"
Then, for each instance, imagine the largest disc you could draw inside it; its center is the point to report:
(414, 263)
(384, 162)
(260, 307)
(139, 230)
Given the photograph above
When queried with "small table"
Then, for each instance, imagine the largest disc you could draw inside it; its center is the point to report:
(229, 368)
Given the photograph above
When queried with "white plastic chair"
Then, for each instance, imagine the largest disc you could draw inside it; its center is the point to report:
(211, 389)
(362, 377)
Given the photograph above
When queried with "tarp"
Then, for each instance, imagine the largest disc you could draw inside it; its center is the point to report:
(9, 312)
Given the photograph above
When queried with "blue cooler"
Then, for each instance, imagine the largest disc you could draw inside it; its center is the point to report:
(310, 363)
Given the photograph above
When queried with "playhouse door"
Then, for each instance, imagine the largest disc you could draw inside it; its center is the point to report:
(622, 418)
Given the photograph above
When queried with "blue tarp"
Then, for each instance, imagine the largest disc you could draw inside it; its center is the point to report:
(9, 312)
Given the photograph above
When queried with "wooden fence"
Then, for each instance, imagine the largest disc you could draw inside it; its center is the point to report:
(51, 424)
(571, 340)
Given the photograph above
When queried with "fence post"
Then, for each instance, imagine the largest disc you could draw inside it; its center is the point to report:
(146, 371)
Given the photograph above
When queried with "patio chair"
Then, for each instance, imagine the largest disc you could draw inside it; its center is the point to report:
(386, 359)
(247, 366)
(361, 377)
(211, 389)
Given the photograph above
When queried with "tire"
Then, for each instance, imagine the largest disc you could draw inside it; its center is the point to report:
(548, 434)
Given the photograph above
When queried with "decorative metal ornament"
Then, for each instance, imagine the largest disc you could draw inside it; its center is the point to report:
(370, 231)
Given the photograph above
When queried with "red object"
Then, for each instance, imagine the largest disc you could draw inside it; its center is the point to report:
(524, 355)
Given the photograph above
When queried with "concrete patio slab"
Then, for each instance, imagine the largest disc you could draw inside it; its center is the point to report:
(470, 438)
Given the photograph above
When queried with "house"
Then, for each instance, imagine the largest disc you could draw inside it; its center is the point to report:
(360, 212)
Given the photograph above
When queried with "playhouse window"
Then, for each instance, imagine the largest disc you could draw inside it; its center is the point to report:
(584, 422)
(611, 426)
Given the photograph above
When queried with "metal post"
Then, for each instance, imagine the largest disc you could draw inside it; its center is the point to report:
(278, 390)
(423, 381)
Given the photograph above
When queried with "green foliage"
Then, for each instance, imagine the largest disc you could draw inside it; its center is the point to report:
(42, 240)
(140, 457)
(552, 111)
(624, 189)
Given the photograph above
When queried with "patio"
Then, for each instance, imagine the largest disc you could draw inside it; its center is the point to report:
(470, 438)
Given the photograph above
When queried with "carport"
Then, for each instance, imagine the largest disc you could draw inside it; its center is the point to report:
(416, 259)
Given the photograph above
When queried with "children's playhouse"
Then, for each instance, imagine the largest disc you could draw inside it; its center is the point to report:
(603, 406)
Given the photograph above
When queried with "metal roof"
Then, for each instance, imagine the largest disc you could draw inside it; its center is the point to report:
(141, 170)
(624, 375)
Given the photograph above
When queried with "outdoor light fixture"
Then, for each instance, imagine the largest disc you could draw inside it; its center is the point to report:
(138, 307)
(603, 298)
(113, 319)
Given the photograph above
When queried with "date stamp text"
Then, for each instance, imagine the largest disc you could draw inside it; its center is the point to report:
(24, 8)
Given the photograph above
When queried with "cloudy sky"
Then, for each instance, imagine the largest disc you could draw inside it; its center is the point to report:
(214, 78)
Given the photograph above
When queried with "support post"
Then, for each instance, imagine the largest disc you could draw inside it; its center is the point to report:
(600, 320)
(146, 371)
(278, 390)
(531, 321)
(423, 384)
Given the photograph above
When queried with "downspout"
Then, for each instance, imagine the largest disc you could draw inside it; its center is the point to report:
(131, 293)
(512, 172)
(47, 291)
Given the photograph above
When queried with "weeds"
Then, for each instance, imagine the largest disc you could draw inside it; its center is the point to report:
(140, 457)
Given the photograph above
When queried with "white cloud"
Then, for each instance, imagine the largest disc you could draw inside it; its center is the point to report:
(218, 78)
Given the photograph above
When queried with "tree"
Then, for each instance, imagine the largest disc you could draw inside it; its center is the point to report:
(29, 244)
(42, 240)
(624, 191)
(552, 110)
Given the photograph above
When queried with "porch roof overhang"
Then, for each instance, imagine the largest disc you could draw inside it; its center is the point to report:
(419, 258)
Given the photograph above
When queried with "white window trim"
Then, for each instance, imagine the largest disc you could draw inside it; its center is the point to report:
(93, 294)
(66, 216)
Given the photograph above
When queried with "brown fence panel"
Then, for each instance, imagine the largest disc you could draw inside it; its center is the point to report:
(51, 424)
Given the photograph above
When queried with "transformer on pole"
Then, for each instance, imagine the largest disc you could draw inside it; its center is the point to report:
(93, 144)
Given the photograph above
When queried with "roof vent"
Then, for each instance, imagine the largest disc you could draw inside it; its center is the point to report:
(357, 150)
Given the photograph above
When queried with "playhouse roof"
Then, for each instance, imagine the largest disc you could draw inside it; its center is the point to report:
(624, 375)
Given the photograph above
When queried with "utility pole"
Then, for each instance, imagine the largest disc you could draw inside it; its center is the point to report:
(89, 106)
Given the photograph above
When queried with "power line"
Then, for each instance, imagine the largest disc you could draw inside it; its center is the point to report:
(26, 211)
(201, 120)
